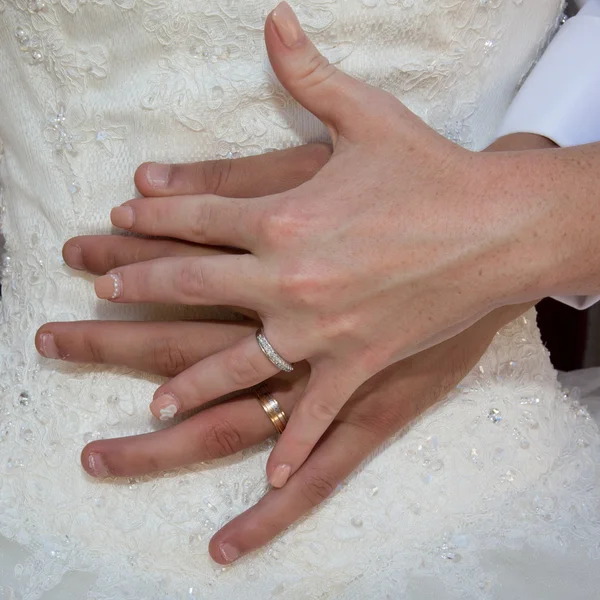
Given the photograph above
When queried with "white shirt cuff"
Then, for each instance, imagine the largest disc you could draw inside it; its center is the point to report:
(561, 97)
(578, 302)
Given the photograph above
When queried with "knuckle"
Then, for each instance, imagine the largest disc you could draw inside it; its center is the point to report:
(137, 255)
(93, 349)
(113, 257)
(282, 223)
(322, 411)
(384, 419)
(301, 286)
(338, 326)
(191, 278)
(212, 176)
(221, 440)
(242, 371)
(316, 72)
(317, 487)
(168, 357)
(100, 258)
(200, 220)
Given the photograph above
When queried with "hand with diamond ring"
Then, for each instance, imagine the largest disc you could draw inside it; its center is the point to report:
(399, 242)
(381, 407)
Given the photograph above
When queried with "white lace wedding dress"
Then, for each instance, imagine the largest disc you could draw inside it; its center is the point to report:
(493, 494)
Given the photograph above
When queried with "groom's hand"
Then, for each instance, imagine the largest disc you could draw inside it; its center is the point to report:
(379, 408)
(253, 176)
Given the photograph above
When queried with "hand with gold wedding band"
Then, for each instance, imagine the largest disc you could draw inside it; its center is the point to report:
(271, 406)
(381, 407)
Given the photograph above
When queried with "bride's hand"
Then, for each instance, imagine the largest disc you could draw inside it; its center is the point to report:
(379, 408)
(375, 258)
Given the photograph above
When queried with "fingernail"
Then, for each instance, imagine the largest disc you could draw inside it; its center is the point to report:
(158, 175)
(287, 25)
(48, 346)
(122, 216)
(280, 475)
(109, 287)
(73, 257)
(165, 407)
(229, 552)
(97, 465)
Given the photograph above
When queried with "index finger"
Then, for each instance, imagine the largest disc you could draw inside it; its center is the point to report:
(343, 449)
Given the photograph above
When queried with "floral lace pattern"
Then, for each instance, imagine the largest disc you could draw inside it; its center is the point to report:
(212, 72)
(508, 463)
(41, 43)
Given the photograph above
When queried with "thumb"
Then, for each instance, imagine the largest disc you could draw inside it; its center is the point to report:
(337, 99)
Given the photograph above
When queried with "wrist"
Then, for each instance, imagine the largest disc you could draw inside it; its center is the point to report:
(517, 262)
(545, 237)
(543, 264)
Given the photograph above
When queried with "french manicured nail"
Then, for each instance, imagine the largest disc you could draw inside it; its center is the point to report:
(109, 287)
(122, 216)
(48, 346)
(73, 257)
(229, 552)
(287, 25)
(165, 407)
(158, 175)
(280, 475)
(97, 466)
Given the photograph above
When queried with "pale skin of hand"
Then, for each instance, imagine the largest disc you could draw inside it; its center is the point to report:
(380, 408)
(401, 241)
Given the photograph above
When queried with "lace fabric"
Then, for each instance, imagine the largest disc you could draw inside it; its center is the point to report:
(492, 494)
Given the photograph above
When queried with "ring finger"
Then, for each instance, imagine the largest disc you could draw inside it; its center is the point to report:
(217, 432)
(166, 348)
(238, 367)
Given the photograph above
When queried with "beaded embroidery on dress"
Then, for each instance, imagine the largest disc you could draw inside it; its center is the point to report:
(493, 494)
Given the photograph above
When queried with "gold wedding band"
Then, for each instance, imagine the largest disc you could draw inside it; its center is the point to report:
(271, 407)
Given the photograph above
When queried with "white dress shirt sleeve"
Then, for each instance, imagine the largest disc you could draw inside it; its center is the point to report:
(560, 99)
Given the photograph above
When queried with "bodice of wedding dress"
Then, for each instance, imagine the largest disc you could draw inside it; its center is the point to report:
(452, 506)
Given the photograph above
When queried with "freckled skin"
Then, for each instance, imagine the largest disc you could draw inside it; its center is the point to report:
(400, 241)
(383, 405)
(444, 237)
